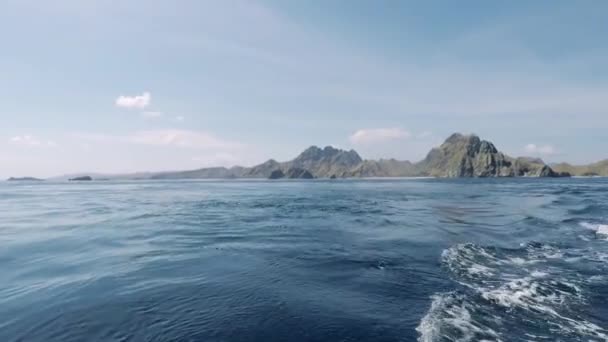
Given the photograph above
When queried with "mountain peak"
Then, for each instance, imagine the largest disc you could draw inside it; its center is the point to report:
(327, 161)
(470, 143)
(316, 153)
(469, 156)
(462, 138)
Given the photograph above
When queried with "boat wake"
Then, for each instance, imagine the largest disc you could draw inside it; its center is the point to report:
(535, 292)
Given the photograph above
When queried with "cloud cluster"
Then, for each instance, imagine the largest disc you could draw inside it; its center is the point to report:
(378, 135)
(32, 141)
(134, 102)
(540, 149)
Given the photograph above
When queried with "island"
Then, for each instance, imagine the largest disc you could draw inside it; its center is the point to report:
(81, 178)
(460, 155)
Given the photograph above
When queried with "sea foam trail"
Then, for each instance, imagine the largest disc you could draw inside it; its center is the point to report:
(601, 230)
(451, 315)
(508, 293)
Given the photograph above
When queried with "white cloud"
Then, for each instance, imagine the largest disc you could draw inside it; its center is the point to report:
(32, 141)
(151, 115)
(540, 149)
(378, 135)
(138, 102)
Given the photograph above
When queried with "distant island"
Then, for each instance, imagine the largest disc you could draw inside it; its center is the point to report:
(24, 179)
(591, 170)
(81, 178)
(459, 156)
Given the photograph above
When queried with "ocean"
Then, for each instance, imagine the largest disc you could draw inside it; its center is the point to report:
(320, 260)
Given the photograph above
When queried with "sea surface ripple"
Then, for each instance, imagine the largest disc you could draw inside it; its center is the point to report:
(344, 260)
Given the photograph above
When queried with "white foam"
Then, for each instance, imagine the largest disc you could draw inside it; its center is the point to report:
(518, 261)
(596, 279)
(448, 313)
(588, 225)
(601, 230)
(463, 258)
(521, 280)
(539, 274)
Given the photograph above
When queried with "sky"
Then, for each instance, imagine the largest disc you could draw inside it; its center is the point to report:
(150, 85)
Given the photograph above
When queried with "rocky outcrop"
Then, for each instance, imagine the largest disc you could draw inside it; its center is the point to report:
(292, 173)
(324, 163)
(296, 173)
(276, 174)
(465, 156)
(469, 156)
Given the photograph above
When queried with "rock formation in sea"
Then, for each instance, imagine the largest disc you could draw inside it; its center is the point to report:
(469, 156)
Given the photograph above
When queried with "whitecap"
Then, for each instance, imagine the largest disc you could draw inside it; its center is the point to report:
(588, 225)
(602, 231)
(450, 316)
(539, 274)
(529, 283)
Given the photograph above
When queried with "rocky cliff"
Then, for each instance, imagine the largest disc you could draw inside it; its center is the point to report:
(326, 162)
(469, 156)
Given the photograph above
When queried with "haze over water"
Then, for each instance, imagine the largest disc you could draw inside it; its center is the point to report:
(345, 260)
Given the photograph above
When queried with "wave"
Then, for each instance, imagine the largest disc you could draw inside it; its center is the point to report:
(601, 230)
(525, 292)
(451, 314)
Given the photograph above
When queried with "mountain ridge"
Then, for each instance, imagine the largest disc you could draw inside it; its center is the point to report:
(459, 156)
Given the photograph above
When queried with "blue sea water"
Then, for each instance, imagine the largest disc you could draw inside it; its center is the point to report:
(344, 260)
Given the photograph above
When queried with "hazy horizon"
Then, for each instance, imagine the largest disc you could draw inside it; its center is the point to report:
(101, 173)
(93, 86)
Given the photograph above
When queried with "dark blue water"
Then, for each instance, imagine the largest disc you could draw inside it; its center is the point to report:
(354, 260)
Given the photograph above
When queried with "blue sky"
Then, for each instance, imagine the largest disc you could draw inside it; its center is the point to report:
(92, 85)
